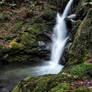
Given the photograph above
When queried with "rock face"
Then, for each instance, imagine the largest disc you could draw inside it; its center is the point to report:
(82, 39)
(26, 33)
(82, 42)
(77, 74)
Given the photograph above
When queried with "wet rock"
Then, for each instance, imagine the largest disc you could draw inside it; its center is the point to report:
(33, 35)
(82, 42)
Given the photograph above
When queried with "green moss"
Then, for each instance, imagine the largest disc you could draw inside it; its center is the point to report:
(26, 42)
(31, 37)
(6, 37)
(16, 89)
(87, 56)
(28, 39)
(82, 41)
(15, 45)
(61, 87)
(81, 89)
(17, 27)
(38, 28)
(47, 83)
(2, 48)
(45, 16)
(18, 59)
(77, 22)
(78, 69)
(29, 33)
(41, 84)
(56, 83)
(18, 24)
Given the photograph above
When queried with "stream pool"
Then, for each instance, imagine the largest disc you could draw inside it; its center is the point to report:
(10, 75)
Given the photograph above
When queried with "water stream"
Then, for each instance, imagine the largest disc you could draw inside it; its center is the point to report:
(11, 75)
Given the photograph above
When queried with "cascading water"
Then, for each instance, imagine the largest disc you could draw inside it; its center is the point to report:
(59, 36)
(59, 39)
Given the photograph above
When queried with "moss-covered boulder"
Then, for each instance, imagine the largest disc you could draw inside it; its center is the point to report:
(27, 36)
(82, 42)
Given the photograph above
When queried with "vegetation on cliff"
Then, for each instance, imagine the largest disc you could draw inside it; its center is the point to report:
(23, 29)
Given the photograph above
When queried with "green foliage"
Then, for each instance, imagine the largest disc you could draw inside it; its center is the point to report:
(61, 87)
(82, 41)
(78, 69)
(87, 56)
(15, 45)
(17, 27)
(18, 24)
(28, 39)
(16, 89)
(81, 89)
(6, 37)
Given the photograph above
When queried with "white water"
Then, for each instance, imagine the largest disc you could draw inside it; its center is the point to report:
(59, 39)
(60, 35)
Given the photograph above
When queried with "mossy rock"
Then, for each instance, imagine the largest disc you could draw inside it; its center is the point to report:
(81, 89)
(81, 9)
(6, 37)
(54, 83)
(78, 69)
(15, 45)
(82, 42)
(40, 84)
(24, 47)
(61, 87)
(27, 36)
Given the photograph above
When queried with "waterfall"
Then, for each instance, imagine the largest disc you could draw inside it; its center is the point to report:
(59, 37)
(67, 8)
(59, 40)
